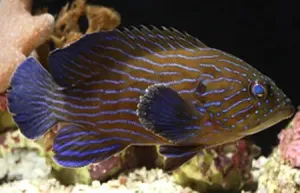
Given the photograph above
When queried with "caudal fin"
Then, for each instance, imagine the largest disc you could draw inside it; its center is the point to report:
(28, 99)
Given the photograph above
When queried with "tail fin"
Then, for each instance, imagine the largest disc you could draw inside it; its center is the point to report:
(27, 99)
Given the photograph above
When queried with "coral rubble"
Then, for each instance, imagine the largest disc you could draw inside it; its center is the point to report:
(23, 164)
(139, 181)
(13, 140)
(224, 168)
(276, 176)
(280, 172)
(21, 158)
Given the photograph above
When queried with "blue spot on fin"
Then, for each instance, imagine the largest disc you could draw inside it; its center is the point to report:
(163, 111)
(175, 156)
(83, 58)
(76, 146)
(27, 99)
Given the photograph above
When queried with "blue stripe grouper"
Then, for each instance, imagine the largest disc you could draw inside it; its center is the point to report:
(142, 86)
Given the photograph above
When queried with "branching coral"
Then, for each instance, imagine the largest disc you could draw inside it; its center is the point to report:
(67, 27)
(21, 33)
(289, 145)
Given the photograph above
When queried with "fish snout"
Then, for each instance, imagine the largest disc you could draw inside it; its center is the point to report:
(287, 108)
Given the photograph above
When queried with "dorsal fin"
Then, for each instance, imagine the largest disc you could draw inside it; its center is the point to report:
(81, 59)
(169, 36)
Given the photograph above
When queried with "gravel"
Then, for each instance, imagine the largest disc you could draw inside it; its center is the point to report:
(138, 181)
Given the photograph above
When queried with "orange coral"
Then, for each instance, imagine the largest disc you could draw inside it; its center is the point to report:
(67, 27)
(21, 33)
(101, 18)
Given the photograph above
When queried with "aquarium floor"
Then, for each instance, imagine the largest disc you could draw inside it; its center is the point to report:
(139, 181)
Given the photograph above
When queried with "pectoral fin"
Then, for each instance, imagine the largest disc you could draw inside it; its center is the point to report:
(163, 111)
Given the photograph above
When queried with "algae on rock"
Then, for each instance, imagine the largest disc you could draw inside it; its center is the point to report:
(6, 121)
(221, 169)
(277, 176)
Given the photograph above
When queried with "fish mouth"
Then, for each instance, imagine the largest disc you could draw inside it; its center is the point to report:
(285, 111)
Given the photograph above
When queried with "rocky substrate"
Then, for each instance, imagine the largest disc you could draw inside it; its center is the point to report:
(138, 181)
(277, 176)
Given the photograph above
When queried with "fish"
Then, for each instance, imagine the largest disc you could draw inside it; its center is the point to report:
(140, 86)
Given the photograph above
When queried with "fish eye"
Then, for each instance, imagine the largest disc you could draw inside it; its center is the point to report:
(258, 90)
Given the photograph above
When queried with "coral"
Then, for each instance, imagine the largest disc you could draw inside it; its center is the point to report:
(224, 168)
(257, 165)
(21, 33)
(279, 173)
(12, 142)
(68, 18)
(67, 28)
(289, 143)
(101, 18)
(220, 165)
(276, 176)
(132, 158)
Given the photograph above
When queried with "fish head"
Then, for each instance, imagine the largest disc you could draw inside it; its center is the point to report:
(244, 102)
(271, 105)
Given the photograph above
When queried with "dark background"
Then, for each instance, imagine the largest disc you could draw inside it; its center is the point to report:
(263, 33)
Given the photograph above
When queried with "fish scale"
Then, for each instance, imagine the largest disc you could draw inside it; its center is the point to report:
(142, 86)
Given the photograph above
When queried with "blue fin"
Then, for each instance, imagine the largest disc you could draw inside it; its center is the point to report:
(163, 111)
(175, 156)
(87, 56)
(27, 99)
(75, 146)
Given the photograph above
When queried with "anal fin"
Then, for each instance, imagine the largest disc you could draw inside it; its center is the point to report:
(76, 146)
(175, 156)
